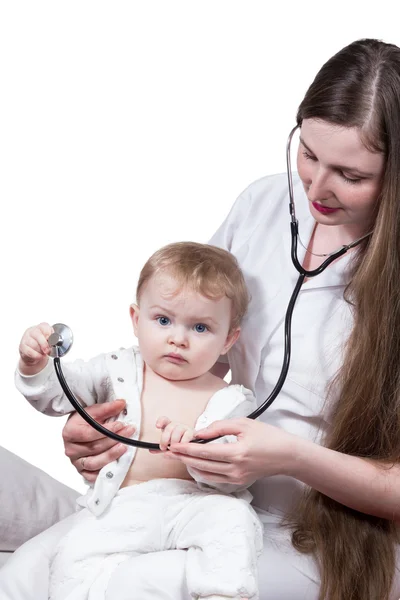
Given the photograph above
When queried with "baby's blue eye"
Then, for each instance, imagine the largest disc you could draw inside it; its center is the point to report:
(163, 321)
(200, 328)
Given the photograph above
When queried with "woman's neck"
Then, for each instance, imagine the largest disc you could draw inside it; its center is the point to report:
(325, 240)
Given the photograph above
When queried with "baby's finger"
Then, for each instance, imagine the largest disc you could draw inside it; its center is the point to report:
(30, 341)
(41, 340)
(187, 436)
(29, 354)
(46, 329)
(177, 433)
(165, 439)
(162, 422)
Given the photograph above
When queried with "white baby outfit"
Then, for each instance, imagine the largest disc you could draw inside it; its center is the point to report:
(222, 533)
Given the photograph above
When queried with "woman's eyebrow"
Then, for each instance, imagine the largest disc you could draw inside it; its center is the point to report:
(305, 146)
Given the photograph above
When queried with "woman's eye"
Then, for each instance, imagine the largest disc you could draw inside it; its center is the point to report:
(200, 328)
(163, 320)
(308, 156)
(350, 180)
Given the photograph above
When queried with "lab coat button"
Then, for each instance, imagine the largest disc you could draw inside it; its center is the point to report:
(121, 379)
(114, 356)
(110, 475)
(124, 412)
(97, 501)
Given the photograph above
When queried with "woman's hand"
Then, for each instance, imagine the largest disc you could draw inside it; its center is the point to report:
(261, 450)
(88, 450)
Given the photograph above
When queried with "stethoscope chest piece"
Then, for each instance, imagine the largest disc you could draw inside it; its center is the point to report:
(61, 340)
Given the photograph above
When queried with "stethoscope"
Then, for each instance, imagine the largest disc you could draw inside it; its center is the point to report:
(61, 340)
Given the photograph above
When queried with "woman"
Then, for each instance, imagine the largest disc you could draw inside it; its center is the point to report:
(325, 457)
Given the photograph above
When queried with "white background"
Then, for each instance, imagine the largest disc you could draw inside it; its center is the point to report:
(125, 126)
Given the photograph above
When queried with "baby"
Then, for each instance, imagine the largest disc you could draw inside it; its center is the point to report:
(190, 301)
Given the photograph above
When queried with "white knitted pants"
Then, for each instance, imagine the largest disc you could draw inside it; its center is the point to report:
(222, 534)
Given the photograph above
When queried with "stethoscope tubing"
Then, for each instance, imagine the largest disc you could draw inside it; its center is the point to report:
(79, 409)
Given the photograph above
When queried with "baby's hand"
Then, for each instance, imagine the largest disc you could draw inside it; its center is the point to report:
(34, 349)
(173, 432)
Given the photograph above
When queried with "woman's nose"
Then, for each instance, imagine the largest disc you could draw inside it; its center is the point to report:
(318, 186)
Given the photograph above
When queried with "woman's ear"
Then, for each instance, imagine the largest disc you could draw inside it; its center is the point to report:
(230, 340)
(134, 311)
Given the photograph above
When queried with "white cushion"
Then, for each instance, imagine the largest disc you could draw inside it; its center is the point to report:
(30, 501)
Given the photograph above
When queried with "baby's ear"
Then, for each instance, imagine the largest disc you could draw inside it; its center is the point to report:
(134, 311)
(230, 340)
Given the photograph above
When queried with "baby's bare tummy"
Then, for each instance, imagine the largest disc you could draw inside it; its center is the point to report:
(146, 466)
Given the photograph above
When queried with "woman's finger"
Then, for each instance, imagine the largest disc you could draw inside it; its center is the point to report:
(76, 430)
(209, 466)
(209, 452)
(105, 443)
(102, 444)
(90, 476)
(77, 445)
(221, 428)
(97, 462)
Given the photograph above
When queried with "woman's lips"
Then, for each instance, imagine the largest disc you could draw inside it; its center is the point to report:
(325, 210)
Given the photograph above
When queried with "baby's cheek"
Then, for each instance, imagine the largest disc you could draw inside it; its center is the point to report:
(208, 358)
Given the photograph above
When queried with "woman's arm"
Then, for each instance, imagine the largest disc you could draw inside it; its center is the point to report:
(369, 486)
(263, 450)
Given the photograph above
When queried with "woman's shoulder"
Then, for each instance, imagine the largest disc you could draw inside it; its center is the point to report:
(267, 182)
(264, 201)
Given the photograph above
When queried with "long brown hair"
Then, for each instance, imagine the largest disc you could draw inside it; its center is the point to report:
(360, 87)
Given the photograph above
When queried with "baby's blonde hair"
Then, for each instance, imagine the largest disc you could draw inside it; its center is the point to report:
(206, 269)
